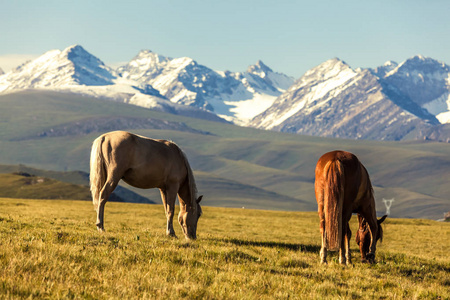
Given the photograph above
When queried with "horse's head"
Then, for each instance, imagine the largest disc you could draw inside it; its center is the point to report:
(363, 238)
(188, 219)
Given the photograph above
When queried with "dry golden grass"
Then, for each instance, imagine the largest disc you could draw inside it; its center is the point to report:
(51, 249)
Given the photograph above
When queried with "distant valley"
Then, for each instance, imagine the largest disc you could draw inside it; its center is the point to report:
(234, 166)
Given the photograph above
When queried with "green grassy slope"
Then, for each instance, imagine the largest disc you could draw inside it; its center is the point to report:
(76, 183)
(52, 250)
(235, 166)
(36, 187)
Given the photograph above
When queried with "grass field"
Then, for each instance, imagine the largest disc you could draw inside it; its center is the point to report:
(51, 249)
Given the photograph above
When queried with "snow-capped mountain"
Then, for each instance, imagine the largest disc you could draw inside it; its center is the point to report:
(237, 97)
(75, 70)
(424, 81)
(335, 100)
(392, 102)
(72, 66)
(153, 81)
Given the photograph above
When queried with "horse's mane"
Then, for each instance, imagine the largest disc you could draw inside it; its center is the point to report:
(190, 176)
(372, 196)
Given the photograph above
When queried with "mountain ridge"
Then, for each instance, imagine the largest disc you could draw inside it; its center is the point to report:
(335, 100)
(415, 93)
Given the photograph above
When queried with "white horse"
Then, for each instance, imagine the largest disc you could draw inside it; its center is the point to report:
(145, 163)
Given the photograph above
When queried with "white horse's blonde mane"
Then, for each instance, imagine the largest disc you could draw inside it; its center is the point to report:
(190, 176)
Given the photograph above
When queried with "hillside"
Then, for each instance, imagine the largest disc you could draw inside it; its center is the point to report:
(27, 186)
(234, 166)
(31, 183)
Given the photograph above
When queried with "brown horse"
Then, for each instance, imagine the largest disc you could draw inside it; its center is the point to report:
(343, 187)
(145, 163)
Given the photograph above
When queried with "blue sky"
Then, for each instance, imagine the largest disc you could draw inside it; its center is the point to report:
(289, 36)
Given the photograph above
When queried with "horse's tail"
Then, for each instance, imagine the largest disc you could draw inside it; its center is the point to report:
(98, 171)
(333, 204)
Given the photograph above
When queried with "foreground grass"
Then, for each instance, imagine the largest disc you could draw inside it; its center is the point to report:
(51, 249)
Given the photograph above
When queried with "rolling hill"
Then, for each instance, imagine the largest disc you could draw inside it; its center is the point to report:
(30, 183)
(27, 186)
(234, 166)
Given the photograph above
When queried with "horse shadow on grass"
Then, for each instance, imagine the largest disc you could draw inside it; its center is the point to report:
(272, 244)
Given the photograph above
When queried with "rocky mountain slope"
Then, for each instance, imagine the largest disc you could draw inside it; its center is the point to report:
(234, 96)
(393, 102)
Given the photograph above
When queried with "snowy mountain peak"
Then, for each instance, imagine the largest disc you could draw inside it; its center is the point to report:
(420, 63)
(78, 55)
(420, 78)
(329, 68)
(390, 63)
(150, 58)
(259, 69)
(71, 67)
(385, 69)
(1, 72)
(333, 70)
(88, 69)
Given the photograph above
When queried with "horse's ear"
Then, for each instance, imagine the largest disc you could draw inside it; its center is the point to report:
(381, 219)
(199, 199)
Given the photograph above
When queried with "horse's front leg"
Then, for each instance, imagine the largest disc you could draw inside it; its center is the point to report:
(169, 197)
(373, 226)
(348, 254)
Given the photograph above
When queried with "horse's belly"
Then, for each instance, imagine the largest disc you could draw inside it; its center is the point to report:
(144, 183)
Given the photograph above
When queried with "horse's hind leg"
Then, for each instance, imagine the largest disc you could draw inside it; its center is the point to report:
(108, 188)
(169, 197)
(323, 249)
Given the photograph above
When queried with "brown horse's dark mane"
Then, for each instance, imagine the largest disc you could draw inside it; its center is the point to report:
(365, 228)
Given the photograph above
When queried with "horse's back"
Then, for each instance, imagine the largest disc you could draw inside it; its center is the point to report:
(350, 163)
(357, 180)
(346, 158)
(123, 142)
(144, 162)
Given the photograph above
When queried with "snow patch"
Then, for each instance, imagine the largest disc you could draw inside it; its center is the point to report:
(439, 107)
(444, 117)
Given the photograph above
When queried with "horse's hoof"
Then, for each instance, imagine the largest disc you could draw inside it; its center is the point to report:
(101, 229)
(172, 235)
(370, 257)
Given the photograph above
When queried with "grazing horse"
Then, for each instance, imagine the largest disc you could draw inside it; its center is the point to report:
(145, 163)
(343, 187)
